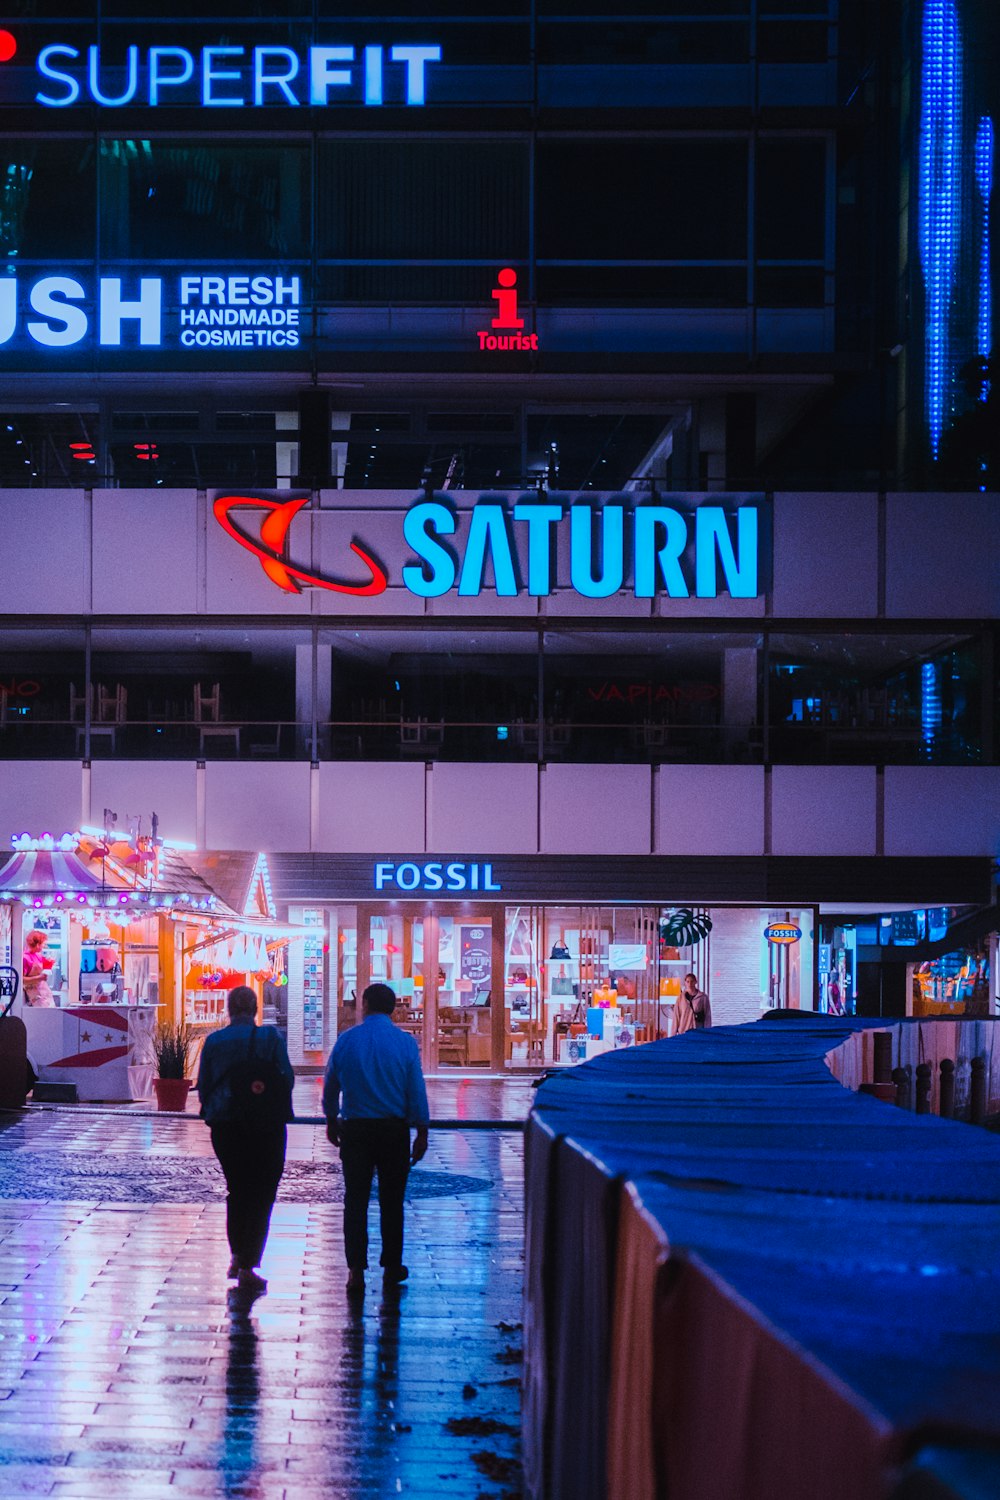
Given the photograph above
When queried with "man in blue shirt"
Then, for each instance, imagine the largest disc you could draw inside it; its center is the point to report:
(372, 1093)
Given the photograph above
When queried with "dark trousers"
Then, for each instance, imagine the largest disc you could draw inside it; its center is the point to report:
(367, 1147)
(252, 1161)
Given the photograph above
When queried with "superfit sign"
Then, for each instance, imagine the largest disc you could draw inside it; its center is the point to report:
(59, 74)
(649, 547)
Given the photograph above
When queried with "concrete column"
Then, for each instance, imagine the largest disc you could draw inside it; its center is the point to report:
(739, 696)
(304, 693)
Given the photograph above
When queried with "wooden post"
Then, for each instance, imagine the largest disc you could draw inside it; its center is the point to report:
(923, 1088)
(977, 1092)
(902, 1083)
(431, 951)
(498, 988)
(946, 1105)
(171, 997)
(882, 1057)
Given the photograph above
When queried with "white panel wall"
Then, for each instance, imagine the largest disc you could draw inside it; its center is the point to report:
(146, 543)
(825, 555)
(46, 546)
(257, 806)
(362, 807)
(709, 810)
(823, 810)
(590, 809)
(473, 809)
(942, 556)
(151, 549)
(942, 810)
(39, 796)
(130, 787)
(367, 806)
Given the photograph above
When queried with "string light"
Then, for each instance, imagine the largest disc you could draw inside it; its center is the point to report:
(940, 199)
(984, 182)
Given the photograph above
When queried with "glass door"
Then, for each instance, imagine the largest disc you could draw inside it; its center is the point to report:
(440, 963)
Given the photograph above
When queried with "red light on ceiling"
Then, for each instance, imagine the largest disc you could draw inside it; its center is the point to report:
(84, 452)
(8, 46)
(145, 451)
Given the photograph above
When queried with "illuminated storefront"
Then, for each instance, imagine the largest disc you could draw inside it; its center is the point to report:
(477, 437)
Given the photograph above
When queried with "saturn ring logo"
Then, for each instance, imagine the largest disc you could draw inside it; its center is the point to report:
(273, 536)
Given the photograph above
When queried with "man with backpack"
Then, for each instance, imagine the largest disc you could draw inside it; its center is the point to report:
(373, 1093)
(245, 1085)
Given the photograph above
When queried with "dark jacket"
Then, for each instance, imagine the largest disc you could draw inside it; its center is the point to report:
(222, 1050)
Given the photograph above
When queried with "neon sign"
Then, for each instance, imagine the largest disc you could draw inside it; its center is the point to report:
(435, 876)
(655, 547)
(506, 320)
(185, 310)
(273, 532)
(229, 77)
(658, 537)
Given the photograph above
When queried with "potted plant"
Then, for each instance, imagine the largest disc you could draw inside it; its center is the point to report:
(171, 1047)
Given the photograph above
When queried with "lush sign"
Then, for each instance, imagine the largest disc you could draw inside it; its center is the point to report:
(227, 77)
(182, 309)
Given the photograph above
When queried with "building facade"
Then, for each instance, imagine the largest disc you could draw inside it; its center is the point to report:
(523, 472)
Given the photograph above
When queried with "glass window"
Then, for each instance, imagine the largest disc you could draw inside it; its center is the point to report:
(42, 692)
(638, 200)
(425, 200)
(593, 450)
(866, 698)
(46, 200)
(791, 286)
(795, 41)
(162, 200)
(693, 40)
(456, 696)
(201, 694)
(666, 696)
(643, 286)
(791, 200)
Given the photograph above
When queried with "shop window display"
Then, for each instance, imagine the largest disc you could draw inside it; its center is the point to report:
(956, 984)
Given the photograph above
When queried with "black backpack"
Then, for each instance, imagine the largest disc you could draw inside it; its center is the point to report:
(259, 1093)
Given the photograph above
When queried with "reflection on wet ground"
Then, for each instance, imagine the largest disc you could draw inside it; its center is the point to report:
(454, 1100)
(128, 1369)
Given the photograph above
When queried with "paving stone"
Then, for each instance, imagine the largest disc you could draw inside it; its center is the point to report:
(128, 1369)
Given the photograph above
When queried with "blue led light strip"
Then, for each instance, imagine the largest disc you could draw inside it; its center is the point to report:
(930, 708)
(939, 199)
(984, 182)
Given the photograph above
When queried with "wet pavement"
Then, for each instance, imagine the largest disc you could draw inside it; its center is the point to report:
(454, 1100)
(128, 1369)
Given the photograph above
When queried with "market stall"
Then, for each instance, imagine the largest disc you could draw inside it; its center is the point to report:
(114, 930)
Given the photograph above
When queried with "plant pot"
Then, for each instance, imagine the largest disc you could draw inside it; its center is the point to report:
(140, 1081)
(171, 1093)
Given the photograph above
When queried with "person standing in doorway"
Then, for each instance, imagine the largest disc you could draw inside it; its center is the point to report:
(245, 1083)
(373, 1092)
(692, 1010)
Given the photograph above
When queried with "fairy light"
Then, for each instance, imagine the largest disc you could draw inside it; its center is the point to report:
(984, 183)
(939, 201)
(261, 872)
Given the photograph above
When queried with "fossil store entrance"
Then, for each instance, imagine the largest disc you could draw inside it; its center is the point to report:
(494, 987)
